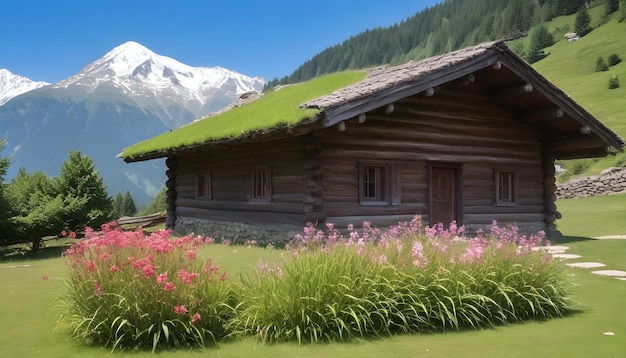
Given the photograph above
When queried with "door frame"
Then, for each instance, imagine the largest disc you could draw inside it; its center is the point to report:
(458, 178)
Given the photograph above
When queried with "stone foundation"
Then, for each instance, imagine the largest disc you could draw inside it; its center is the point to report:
(237, 233)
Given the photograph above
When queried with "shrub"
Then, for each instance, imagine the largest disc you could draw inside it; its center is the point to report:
(613, 82)
(406, 279)
(127, 290)
(613, 60)
(601, 66)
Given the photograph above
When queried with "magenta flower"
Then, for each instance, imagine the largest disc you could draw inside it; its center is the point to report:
(91, 266)
(196, 318)
(148, 271)
(162, 278)
(114, 268)
(98, 288)
(180, 309)
(169, 287)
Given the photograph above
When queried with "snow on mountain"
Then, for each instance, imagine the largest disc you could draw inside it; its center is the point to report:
(140, 72)
(12, 85)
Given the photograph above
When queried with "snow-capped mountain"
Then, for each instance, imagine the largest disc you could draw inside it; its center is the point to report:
(12, 85)
(128, 95)
(136, 70)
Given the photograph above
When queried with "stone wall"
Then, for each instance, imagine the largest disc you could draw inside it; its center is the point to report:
(237, 233)
(610, 181)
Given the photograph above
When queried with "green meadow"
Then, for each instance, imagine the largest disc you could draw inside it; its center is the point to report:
(30, 306)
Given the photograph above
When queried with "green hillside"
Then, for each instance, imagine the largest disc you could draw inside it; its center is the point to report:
(572, 67)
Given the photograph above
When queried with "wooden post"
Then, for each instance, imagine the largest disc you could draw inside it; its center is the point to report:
(171, 194)
(549, 197)
(314, 208)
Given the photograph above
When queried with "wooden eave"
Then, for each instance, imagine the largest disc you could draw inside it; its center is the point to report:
(575, 134)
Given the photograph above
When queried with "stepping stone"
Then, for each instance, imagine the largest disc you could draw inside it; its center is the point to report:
(612, 273)
(567, 256)
(552, 249)
(586, 264)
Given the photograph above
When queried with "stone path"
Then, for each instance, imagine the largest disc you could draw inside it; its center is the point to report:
(559, 252)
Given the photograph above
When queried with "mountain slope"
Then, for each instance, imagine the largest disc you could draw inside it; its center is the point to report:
(128, 95)
(12, 85)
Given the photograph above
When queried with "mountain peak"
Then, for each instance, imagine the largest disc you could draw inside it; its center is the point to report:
(12, 85)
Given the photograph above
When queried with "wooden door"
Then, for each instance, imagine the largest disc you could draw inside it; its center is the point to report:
(444, 195)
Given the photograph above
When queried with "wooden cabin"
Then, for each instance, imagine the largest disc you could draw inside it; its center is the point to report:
(470, 136)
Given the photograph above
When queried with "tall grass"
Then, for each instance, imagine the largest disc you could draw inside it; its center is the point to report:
(405, 280)
(131, 291)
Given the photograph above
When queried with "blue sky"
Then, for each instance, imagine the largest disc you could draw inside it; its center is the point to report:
(49, 40)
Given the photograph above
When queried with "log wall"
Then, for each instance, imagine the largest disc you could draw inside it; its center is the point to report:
(231, 173)
(315, 177)
(453, 127)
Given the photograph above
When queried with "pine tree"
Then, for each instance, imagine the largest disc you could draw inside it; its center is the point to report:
(118, 206)
(85, 199)
(611, 6)
(5, 227)
(582, 24)
(601, 66)
(130, 209)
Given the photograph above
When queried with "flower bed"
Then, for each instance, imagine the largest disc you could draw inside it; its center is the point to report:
(128, 290)
(407, 279)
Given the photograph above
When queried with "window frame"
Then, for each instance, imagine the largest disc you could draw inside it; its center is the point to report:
(382, 182)
(255, 195)
(204, 186)
(512, 182)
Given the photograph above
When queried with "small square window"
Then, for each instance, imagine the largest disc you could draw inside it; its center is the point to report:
(204, 186)
(374, 183)
(261, 184)
(506, 187)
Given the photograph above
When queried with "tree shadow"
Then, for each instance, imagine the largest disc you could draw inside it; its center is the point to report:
(16, 254)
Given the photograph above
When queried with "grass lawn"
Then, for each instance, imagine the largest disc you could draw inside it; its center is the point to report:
(29, 313)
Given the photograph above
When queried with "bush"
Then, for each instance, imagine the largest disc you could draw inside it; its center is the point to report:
(601, 66)
(408, 279)
(613, 82)
(614, 59)
(127, 290)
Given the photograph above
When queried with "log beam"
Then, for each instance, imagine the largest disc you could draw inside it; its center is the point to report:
(513, 91)
(546, 114)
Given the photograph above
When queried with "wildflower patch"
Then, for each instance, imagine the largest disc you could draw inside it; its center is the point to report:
(128, 290)
(406, 279)
(131, 291)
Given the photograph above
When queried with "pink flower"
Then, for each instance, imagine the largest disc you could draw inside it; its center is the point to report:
(114, 268)
(196, 318)
(148, 271)
(72, 235)
(180, 309)
(191, 255)
(186, 276)
(105, 257)
(91, 266)
(98, 288)
(64, 233)
(169, 287)
(44, 277)
(162, 278)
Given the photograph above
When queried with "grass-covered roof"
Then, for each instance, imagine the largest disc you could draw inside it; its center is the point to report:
(275, 109)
